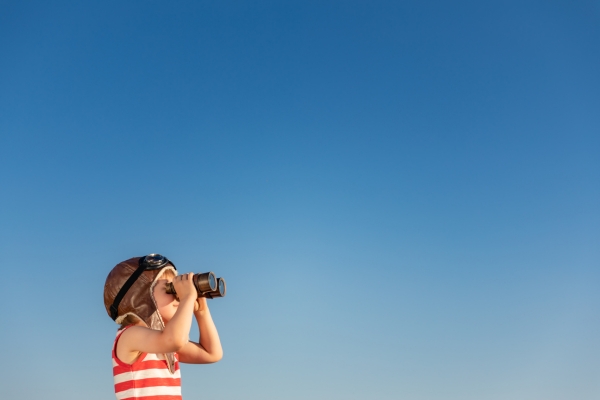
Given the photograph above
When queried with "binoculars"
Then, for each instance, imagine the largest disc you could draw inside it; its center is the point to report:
(207, 285)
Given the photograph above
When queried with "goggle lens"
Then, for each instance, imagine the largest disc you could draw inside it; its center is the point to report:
(155, 261)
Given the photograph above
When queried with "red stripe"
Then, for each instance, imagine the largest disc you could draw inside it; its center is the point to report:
(154, 398)
(151, 364)
(148, 382)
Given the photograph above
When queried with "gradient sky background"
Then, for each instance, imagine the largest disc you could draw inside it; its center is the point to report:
(402, 196)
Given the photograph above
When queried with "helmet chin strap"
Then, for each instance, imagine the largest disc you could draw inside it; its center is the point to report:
(114, 308)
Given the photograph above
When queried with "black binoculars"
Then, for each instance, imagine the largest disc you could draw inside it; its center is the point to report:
(207, 285)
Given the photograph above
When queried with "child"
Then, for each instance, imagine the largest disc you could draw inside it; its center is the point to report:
(155, 325)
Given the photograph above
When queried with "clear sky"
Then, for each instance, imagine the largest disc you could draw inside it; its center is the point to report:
(402, 196)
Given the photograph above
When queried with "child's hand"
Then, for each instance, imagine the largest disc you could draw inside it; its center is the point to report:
(184, 286)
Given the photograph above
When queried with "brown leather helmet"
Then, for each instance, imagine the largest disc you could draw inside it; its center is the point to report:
(129, 291)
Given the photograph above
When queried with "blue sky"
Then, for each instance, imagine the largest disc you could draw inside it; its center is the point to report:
(402, 196)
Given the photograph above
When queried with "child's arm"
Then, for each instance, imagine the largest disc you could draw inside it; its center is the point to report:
(139, 339)
(209, 349)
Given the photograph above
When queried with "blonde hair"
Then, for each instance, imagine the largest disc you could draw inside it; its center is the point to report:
(167, 273)
(129, 319)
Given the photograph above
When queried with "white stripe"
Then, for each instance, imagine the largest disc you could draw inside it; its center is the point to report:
(153, 357)
(150, 391)
(146, 373)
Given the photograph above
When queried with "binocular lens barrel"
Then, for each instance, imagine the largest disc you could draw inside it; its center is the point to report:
(207, 285)
(206, 282)
(220, 291)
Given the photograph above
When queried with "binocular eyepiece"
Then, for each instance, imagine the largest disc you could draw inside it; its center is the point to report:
(207, 285)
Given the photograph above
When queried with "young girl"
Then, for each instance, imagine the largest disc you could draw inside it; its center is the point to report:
(155, 325)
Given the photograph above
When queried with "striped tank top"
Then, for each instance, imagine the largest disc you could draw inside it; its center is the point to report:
(148, 378)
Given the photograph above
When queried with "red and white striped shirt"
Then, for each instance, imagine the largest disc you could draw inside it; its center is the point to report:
(148, 378)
